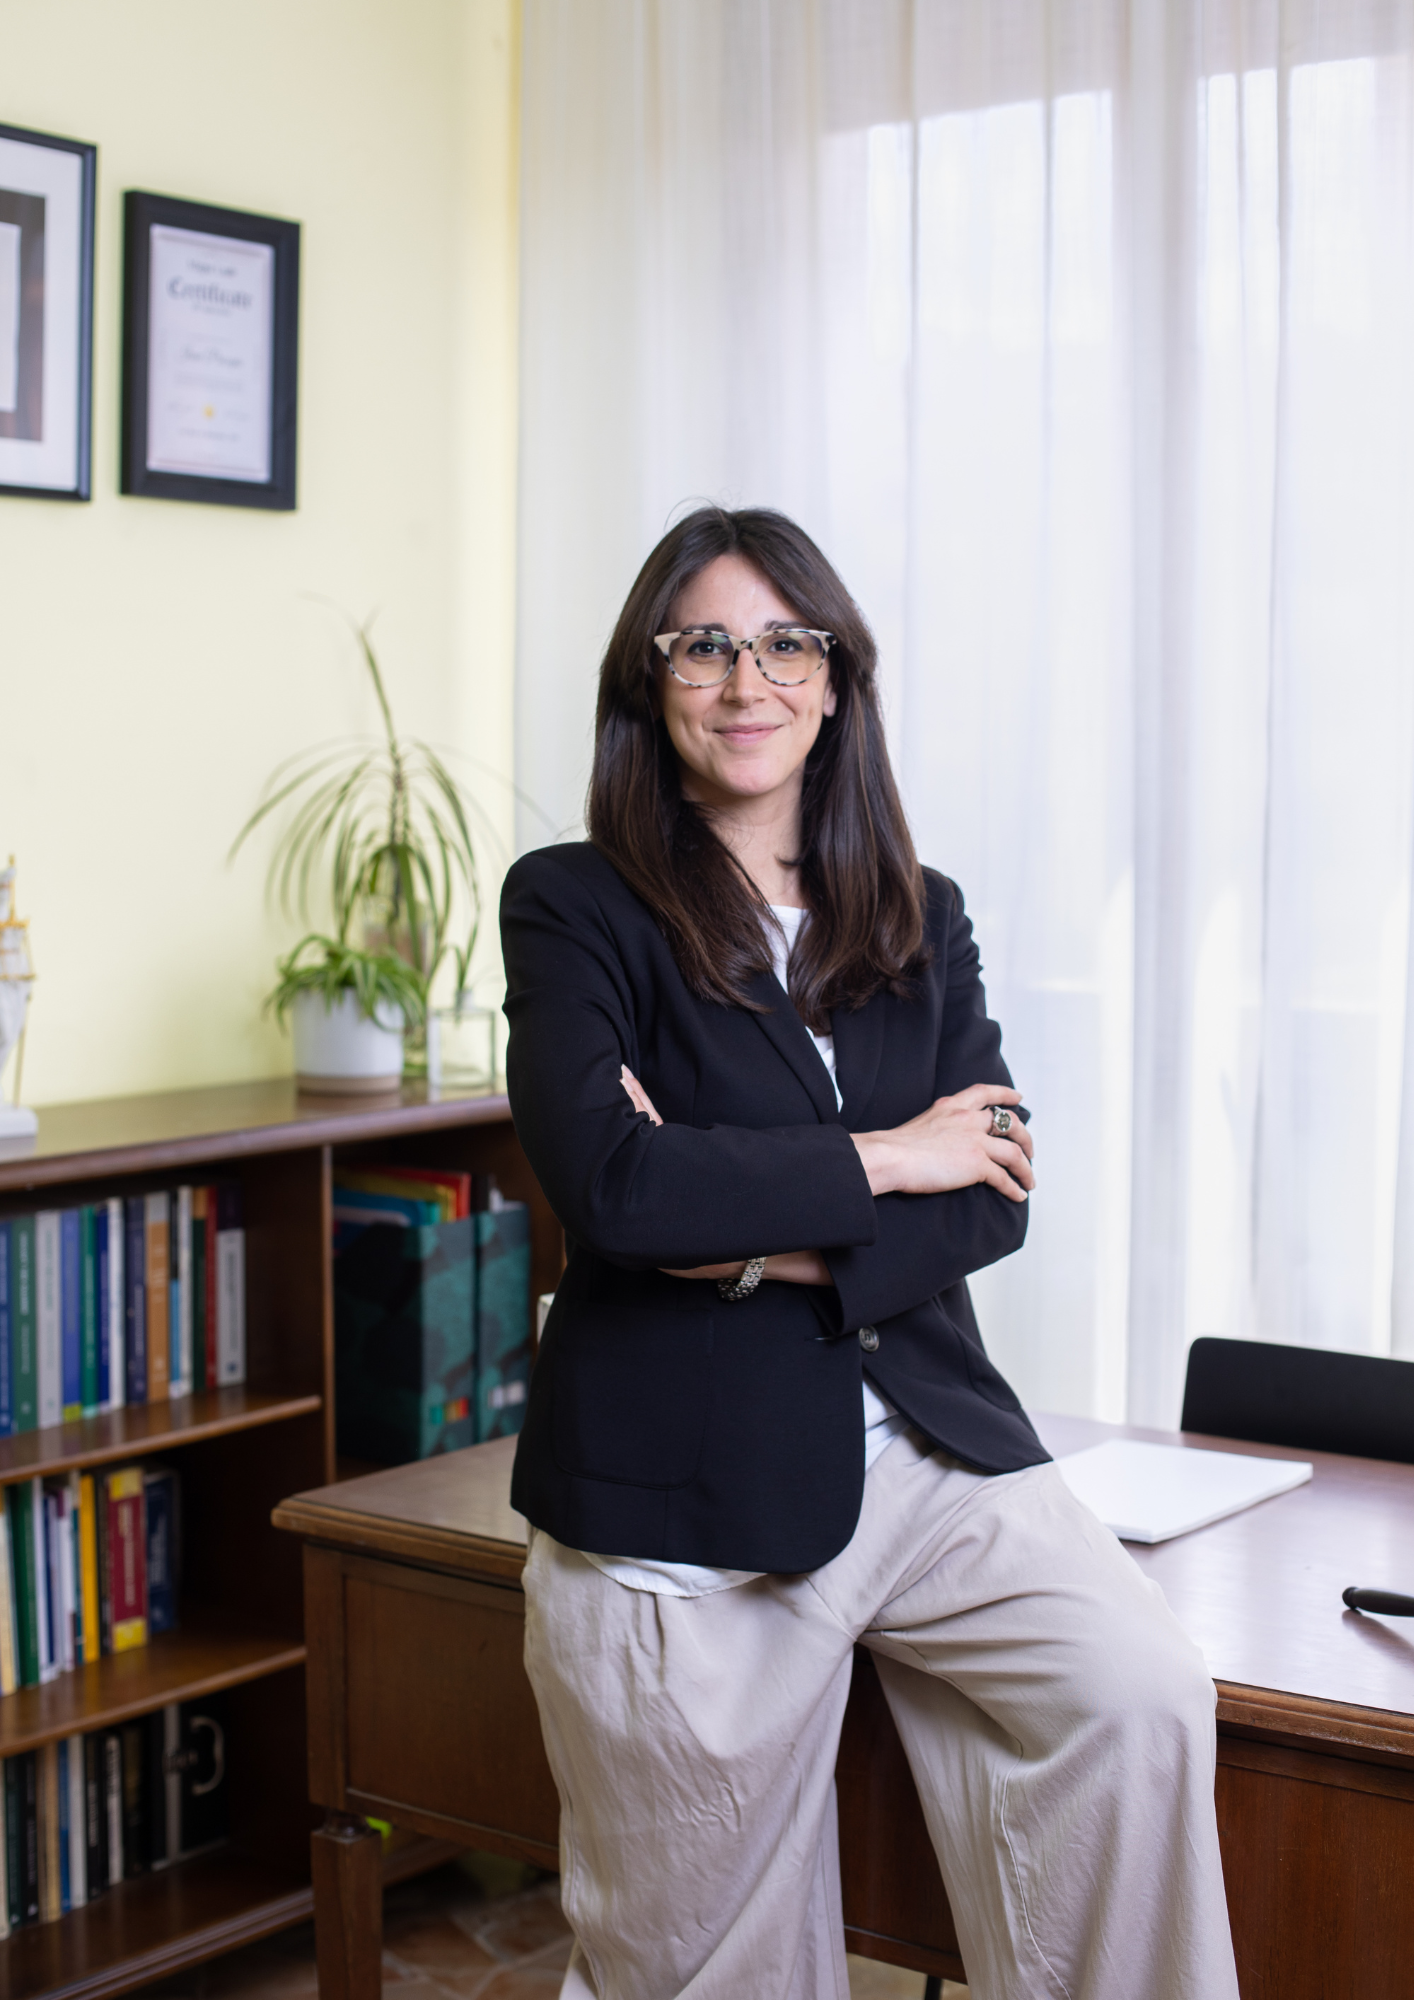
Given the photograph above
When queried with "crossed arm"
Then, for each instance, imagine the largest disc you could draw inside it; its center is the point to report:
(946, 1147)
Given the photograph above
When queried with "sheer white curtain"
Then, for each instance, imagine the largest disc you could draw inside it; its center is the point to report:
(1081, 335)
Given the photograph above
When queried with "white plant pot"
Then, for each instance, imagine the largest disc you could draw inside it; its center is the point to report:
(340, 1051)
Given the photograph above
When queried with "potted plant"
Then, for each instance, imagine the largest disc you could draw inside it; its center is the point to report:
(384, 828)
(349, 1010)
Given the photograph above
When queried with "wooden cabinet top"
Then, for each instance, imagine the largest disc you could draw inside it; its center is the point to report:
(182, 1128)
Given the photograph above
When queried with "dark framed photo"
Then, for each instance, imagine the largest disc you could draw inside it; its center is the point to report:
(210, 353)
(46, 314)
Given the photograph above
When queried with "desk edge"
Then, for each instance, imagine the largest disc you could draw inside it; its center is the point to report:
(453, 1550)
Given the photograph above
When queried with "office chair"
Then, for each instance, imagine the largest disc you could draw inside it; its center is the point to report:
(1307, 1397)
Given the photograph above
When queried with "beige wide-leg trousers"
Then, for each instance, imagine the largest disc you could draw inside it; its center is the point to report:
(1058, 1721)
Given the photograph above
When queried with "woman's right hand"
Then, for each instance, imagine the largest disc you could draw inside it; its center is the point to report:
(950, 1146)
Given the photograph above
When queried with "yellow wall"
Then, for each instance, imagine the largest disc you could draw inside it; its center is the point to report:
(157, 659)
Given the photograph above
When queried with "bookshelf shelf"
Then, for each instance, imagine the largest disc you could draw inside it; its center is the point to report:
(239, 1452)
(160, 1924)
(206, 1654)
(153, 1926)
(145, 1428)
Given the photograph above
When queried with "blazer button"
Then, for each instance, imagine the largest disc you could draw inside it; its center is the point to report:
(868, 1338)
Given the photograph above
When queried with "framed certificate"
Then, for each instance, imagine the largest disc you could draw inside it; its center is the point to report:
(210, 353)
(46, 314)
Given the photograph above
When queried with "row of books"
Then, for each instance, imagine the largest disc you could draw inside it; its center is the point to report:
(431, 1311)
(121, 1301)
(89, 1565)
(89, 1812)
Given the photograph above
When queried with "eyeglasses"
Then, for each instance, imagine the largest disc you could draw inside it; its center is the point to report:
(704, 657)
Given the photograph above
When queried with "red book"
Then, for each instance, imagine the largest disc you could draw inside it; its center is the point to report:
(446, 1177)
(127, 1557)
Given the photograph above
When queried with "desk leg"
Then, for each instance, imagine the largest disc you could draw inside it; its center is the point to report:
(347, 1861)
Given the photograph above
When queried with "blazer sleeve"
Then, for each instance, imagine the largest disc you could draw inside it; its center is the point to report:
(638, 1194)
(926, 1242)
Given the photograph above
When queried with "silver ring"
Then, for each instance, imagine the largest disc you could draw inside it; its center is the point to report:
(1001, 1122)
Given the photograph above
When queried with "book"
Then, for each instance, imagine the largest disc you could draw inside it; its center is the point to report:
(24, 1359)
(418, 1211)
(9, 1626)
(4, 1858)
(43, 1591)
(89, 1570)
(112, 1740)
(22, 1822)
(182, 1295)
(159, 1729)
(230, 1285)
(127, 1557)
(133, 1738)
(51, 1893)
(7, 1382)
(135, 1297)
(74, 1825)
(18, 1501)
(161, 1509)
(47, 1318)
(212, 1278)
(451, 1192)
(89, 1397)
(199, 1379)
(157, 1240)
(62, 1594)
(503, 1319)
(112, 1338)
(71, 1314)
(404, 1340)
(1152, 1492)
(95, 1811)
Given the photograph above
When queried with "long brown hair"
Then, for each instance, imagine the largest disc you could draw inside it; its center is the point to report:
(858, 871)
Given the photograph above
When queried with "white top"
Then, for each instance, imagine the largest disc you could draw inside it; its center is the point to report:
(882, 1422)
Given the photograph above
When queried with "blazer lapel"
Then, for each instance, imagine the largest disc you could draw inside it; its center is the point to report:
(859, 1046)
(786, 1032)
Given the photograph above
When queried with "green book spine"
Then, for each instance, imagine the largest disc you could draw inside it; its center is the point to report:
(502, 1319)
(22, 1326)
(19, 1519)
(88, 1314)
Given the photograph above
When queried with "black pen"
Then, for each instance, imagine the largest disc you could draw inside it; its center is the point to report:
(1387, 1601)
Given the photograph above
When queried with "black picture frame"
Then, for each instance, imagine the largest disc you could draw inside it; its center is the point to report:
(142, 213)
(53, 257)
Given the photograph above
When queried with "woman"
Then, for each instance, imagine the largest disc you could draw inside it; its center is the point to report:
(751, 1065)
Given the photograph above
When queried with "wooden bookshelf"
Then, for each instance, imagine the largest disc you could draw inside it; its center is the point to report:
(163, 1923)
(147, 1428)
(240, 1451)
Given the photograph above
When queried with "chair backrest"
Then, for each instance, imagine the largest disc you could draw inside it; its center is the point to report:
(1308, 1397)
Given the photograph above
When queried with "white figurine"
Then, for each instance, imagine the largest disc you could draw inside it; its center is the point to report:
(16, 979)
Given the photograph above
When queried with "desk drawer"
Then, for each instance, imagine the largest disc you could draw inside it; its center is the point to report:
(431, 1723)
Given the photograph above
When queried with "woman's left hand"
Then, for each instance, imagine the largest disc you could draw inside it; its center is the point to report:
(787, 1267)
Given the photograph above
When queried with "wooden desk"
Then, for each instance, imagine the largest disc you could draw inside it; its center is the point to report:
(419, 1713)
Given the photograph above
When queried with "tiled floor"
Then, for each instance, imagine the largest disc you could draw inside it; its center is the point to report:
(478, 1929)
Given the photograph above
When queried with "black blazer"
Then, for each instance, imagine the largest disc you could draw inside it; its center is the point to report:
(663, 1422)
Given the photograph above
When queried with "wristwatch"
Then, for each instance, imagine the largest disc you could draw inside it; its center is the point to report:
(733, 1289)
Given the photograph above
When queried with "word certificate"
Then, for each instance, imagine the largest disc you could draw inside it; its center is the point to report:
(211, 309)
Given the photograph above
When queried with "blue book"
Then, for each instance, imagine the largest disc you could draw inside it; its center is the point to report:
(135, 1296)
(160, 1501)
(105, 1319)
(7, 1379)
(71, 1312)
